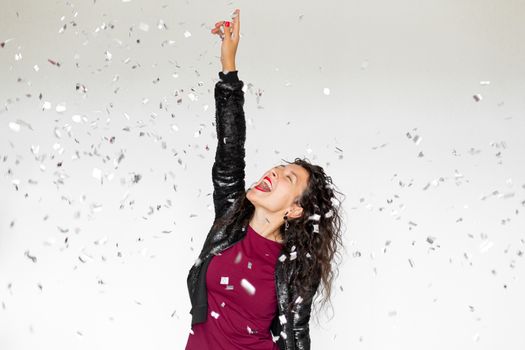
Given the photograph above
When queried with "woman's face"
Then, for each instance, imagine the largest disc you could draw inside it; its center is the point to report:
(287, 183)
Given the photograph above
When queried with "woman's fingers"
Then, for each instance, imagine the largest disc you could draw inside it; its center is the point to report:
(236, 23)
(230, 31)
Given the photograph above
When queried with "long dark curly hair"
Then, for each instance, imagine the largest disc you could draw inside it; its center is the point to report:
(315, 236)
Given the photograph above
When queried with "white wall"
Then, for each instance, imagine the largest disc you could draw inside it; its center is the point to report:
(111, 256)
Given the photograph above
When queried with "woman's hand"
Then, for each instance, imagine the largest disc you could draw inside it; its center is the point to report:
(229, 33)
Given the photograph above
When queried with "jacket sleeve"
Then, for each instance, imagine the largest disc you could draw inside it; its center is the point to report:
(228, 170)
(301, 318)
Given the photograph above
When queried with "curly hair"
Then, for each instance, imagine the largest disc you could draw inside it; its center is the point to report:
(315, 236)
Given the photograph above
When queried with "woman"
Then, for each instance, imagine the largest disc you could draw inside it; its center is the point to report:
(269, 247)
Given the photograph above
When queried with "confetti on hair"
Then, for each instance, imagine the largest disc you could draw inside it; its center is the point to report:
(298, 300)
(316, 228)
(329, 214)
(282, 258)
(293, 255)
(314, 217)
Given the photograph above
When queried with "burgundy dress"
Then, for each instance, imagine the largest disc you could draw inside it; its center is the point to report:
(242, 300)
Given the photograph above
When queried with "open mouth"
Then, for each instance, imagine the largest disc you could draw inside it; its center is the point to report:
(265, 185)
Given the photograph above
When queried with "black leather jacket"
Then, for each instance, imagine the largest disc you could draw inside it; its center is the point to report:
(228, 173)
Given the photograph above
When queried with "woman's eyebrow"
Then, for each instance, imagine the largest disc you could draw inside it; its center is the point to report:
(293, 173)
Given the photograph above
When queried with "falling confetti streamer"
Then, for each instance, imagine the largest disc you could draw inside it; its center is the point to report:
(248, 287)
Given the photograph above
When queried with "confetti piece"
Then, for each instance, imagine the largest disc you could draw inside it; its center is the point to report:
(250, 289)
(215, 314)
(282, 258)
(54, 62)
(144, 26)
(14, 126)
(76, 118)
(282, 319)
(97, 173)
(410, 262)
(161, 24)
(298, 300)
(326, 91)
(249, 264)
(316, 228)
(314, 217)
(33, 258)
(329, 214)
(60, 108)
(223, 304)
(431, 239)
(485, 245)
(477, 97)
(187, 34)
(238, 258)
(2, 44)
(293, 255)
(224, 280)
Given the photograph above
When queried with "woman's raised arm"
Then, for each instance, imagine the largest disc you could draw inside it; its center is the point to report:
(228, 173)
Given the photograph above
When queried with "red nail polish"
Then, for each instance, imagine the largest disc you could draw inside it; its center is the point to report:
(227, 24)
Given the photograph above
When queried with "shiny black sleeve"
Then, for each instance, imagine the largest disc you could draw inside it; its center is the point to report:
(301, 318)
(228, 170)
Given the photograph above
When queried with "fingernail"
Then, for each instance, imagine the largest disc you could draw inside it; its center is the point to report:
(227, 24)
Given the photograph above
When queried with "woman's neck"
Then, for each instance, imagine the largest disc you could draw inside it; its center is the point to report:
(266, 225)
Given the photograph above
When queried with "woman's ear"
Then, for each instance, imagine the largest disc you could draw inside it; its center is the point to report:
(295, 212)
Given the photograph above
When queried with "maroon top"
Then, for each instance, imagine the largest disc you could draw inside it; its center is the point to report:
(242, 300)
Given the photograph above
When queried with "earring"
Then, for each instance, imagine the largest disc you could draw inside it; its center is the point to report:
(287, 224)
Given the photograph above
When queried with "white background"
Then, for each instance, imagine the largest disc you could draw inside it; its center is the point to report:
(93, 261)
